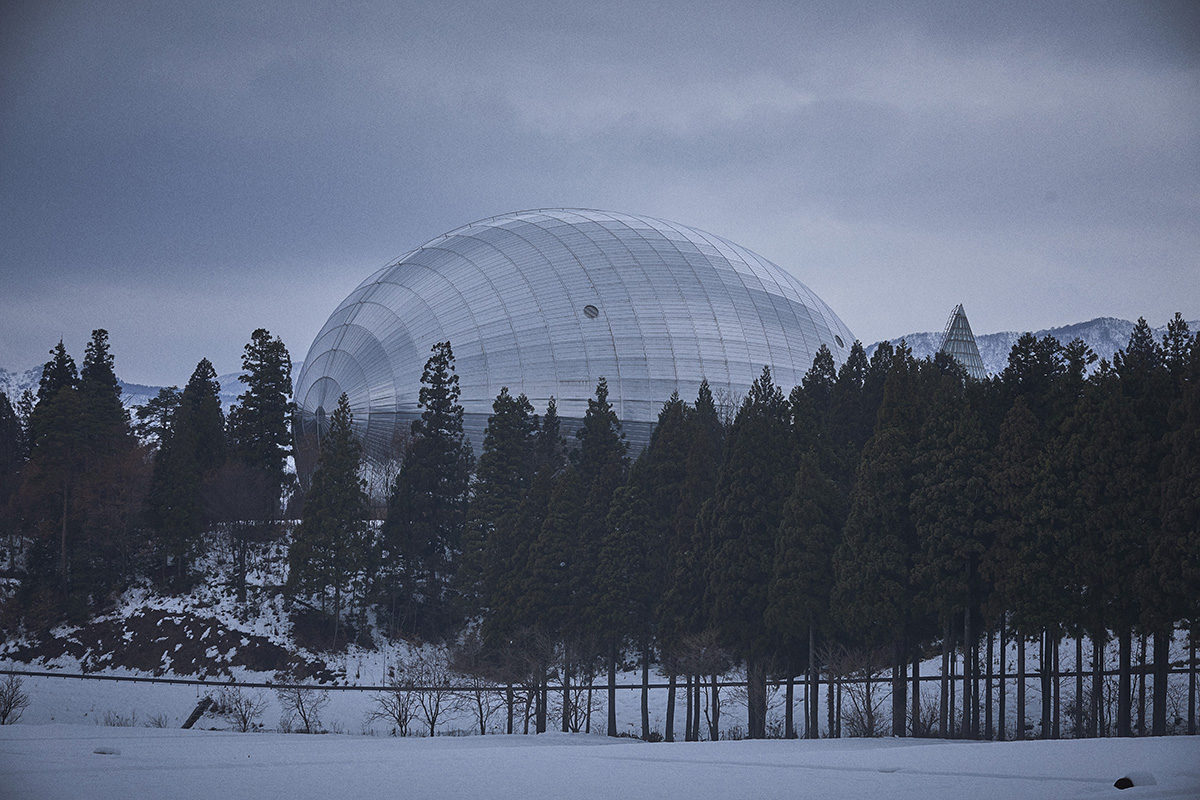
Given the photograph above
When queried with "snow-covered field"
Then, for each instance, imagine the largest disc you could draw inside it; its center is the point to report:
(75, 761)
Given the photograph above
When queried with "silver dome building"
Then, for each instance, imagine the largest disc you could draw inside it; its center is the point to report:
(547, 302)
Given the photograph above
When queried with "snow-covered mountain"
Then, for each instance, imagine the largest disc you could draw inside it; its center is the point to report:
(13, 383)
(1105, 335)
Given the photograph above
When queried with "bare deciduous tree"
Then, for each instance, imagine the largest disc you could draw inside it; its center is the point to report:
(13, 700)
(300, 702)
(241, 709)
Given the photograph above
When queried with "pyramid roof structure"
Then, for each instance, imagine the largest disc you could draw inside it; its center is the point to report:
(959, 343)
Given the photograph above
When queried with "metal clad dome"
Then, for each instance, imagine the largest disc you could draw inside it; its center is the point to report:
(546, 303)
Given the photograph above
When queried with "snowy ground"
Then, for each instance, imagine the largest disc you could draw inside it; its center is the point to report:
(72, 761)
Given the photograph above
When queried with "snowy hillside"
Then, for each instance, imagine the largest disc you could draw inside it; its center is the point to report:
(1104, 335)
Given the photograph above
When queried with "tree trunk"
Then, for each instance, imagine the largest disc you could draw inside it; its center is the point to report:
(839, 705)
(916, 695)
(789, 719)
(1002, 727)
(646, 694)
(966, 675)
(687, 725)
(952, 721)
(1140, 725)
(899, 687)
(508, 699)
(1162, 665)
(1044, 667)
(1192, 681)
(756, 697)
(1124, 682)
(1079, 731)
(1019, 734)
(714, 732)
(944, 682)
(566, 696)
(829, 692)
(540, 702)
(612, 689)
(669, 733)
(1056, 725)
(811, 692)
(988, 726)
(1096, 725)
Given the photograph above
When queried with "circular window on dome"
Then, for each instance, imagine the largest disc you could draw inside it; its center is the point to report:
(838, 339)
(591, 312)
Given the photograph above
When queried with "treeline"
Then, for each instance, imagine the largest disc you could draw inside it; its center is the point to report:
(92, 499)
(892, 505)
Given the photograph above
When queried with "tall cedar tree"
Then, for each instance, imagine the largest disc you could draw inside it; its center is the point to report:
(511, 612)
(502, 480)
(948, 510)
(330, 546)
(1152, 381)
(682, 613)
(245, 496)
(260, 435)
(568, 549)
(742, 520)
(56, 464)
(1148, 389)
(427, 509)
(193, 450)
(809, 531)
(1176, 555)
(112, 490)
(78, 496)
(873, 591)
(633, 553)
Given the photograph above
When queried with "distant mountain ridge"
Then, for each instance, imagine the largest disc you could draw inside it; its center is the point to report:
(132, 394)
(1105, 335)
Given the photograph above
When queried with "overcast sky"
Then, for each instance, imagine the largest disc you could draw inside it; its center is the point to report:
(183, 173)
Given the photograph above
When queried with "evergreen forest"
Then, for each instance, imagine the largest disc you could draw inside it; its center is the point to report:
(873, 517)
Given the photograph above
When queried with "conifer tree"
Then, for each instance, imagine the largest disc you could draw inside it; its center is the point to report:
(602, 465)
(156, 416)
(510, 610)
(810, 530)
(873, 590)
(259, 425)
(948, 509)
(428, 505)
(57, 462)
(633, 553)
(330, 547)
(742, 520)
(193, 451)
(77, 496)
(682, 612)
(1148, 383)
(506, 470)
(819, 381)
(1175, 556)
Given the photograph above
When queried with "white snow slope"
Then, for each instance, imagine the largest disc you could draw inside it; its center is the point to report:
(74, 761)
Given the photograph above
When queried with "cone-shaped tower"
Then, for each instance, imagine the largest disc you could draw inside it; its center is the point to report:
(959, 343)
